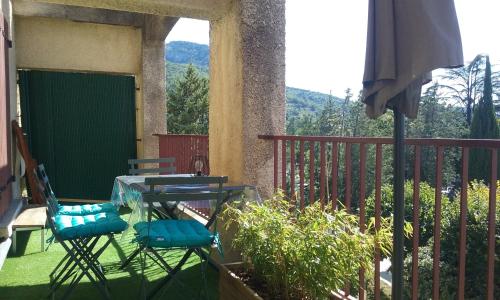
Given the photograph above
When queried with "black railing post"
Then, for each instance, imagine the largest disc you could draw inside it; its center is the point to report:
(399, 205)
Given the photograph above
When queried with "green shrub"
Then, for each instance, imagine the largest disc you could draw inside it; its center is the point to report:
(426, 214)
(305, 254)
(476, 248)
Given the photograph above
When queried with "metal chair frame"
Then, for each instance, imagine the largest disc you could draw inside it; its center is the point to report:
(166, 170)
(81, 257)
(153, 196)
(165, 211)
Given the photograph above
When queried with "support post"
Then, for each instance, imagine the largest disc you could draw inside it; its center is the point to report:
(399, 205)
(154, 32)
(247, 91)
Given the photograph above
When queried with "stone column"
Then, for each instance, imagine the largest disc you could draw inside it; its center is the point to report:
(247, 90)
(154, 32)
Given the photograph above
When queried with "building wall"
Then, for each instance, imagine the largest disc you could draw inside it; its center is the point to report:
(6, 7)
(226, 98)
(247, 90)
(44, 43)
(64, 45)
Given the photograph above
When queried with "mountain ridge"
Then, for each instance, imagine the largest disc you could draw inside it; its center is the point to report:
(179, 54)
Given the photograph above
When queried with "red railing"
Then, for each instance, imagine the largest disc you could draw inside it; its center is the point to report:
(186, 148)
(328, 148)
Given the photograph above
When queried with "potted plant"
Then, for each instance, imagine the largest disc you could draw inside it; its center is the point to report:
(292, 254)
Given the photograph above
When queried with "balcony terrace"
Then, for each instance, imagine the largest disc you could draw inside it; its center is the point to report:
(125, 40)
(309, 169)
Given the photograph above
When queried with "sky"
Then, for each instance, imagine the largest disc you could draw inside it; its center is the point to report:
(325, 40)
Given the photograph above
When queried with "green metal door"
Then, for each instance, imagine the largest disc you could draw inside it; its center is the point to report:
(81, 127)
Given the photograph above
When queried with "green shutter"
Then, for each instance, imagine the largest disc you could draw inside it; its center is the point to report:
(81, 126)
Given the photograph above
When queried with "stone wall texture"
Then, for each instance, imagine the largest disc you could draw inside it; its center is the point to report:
(247, 90)
(263, 41)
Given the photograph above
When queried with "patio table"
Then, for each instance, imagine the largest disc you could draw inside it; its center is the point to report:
(127, 191)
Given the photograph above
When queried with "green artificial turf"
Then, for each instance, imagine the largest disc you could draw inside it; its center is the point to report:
(26, 275)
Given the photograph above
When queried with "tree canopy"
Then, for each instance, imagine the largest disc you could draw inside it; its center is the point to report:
(187, 104)
(484, 126)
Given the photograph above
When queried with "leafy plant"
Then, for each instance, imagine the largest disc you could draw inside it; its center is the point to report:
(426, 214)
(305, 255)
(476, 248)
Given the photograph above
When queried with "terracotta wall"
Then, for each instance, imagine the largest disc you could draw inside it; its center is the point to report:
(5, 166)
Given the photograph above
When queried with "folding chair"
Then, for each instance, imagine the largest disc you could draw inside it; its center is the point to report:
(135, 170)
(79, 236)
(73, 210)
(167, 209)
(189, 235)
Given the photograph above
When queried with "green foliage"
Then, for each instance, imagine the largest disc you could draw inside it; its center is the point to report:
(308, 254)
(464, 85)
(187, 104)
(437, 119)
(305, 124)
(180, 55)
(484, 126)
(175, 71)
(476, 248)
(426, 212)
(333, 118)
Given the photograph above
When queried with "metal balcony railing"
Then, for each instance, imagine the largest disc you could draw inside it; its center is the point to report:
(308, 168)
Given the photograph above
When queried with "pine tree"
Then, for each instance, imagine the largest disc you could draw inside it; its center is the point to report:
(484, 126)
(187, 104)
(326, 120)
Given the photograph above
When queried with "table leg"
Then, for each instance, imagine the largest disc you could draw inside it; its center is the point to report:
(14, 241)
(43, 239)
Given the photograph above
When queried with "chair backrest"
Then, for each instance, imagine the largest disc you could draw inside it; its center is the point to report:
(134, 166)
(45, 190)
(193, 188)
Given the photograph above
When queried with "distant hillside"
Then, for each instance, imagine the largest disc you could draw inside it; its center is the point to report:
(180, 54)
(187, 53)
(299, 100)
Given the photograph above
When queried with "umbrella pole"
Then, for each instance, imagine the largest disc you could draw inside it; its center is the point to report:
(399, 205)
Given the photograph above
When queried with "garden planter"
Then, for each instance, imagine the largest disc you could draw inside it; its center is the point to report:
(231, 287)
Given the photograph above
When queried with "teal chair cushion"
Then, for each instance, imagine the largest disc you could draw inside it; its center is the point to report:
(70, 227)
(86, 209)
(173, 233)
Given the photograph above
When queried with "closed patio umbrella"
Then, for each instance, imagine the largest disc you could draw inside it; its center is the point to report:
(406, 40)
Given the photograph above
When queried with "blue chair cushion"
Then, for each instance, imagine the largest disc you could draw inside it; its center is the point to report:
(70, 227)
(173, 233)
(86, 209)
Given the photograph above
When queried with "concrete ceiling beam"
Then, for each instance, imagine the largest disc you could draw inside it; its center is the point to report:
(198, 9)
(79, 14)
(156, 28)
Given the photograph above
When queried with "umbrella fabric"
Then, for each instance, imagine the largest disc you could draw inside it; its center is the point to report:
(406, 40)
